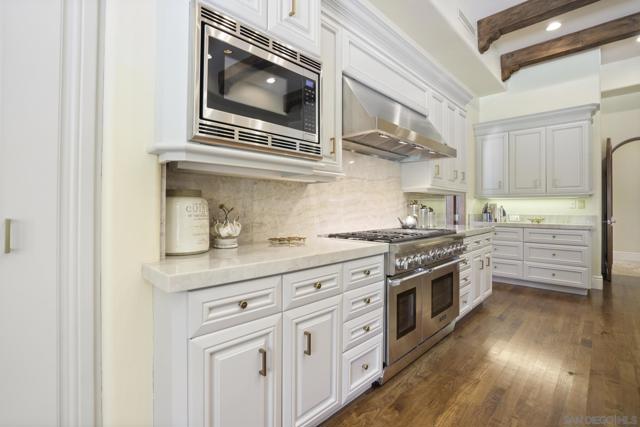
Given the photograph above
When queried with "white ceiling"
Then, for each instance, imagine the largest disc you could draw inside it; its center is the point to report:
(588, 16)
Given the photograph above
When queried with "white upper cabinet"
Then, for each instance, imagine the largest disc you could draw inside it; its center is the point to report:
(460, 173)
(331, 92)
(568, 159)
(548, 154)
(252, 12)
(296, 22)
(492, 156)
(527, 161)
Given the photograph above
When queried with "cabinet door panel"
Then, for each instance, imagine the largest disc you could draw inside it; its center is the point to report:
(527, 161)
(477, 274)
(493, 164)
(331, 106)
(460, 171)
(252, 12)
(296, 22)
(487, 282)
(228, 386)
(568, 159)
(311, 357)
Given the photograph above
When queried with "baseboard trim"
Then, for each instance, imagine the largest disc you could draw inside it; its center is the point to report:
(546, 286)
(597, 282)
(626, 256)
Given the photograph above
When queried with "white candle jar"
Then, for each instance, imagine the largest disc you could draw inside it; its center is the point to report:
(187, 223)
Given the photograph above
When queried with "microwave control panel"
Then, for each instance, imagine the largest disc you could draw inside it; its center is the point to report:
(309, 106)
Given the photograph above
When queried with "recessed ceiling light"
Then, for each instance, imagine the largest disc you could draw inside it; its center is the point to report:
(554, 25)
(271, 80)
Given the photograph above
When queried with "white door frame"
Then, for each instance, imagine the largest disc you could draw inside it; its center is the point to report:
(78, 229)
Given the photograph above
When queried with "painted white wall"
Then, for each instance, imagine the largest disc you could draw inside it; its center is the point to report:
(619, 75)
(130, 212)
(620, 121)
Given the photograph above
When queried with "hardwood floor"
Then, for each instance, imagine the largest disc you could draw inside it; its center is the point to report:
(526, 357)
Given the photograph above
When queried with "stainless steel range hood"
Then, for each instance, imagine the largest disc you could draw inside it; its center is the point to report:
(375, 124)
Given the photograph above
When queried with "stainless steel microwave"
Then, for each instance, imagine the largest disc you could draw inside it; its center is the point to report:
(253, 92)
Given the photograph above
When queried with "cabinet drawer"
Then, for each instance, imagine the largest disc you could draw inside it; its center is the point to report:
(220, 307)
(476, 242)
(465, 278)
(507, 250)
(579, 256)
(465, 262)
(311, 285)
(465, 300)
(560, 237)
(360, 329)
(361, 366)
(362, 300)
(507, 268)
(361, 272)
(577, 277)
(508, 234)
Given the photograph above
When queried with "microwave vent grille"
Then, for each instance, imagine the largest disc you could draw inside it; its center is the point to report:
(218, 131)
(283, 143)
(310, 62)
(279, 47)
(253, 138)
(220, 20)
(254, 36)
(310, 148)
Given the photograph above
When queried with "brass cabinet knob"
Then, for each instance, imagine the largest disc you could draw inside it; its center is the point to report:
(367, 328)
(367, 300)
(365, 366)
(553, 274)
(243, 304)
(317, 285)
(366, 272)
(553, 254)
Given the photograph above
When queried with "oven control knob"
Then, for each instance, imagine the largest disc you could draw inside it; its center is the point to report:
(400, 263)
(415, 261)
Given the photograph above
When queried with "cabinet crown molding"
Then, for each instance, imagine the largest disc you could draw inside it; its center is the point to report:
(547, 118)
(365, 20)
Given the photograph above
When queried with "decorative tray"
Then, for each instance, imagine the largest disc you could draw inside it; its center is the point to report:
(287, 241)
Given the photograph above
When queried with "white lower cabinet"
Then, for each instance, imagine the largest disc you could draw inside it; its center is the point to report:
(234, 376)
(311, 356)
(487, 275)
(476, 272)
(361, 366)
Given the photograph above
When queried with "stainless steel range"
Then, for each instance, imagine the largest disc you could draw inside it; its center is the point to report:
(422, 289)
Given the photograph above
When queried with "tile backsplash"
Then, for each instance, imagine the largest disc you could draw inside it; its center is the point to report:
(369, 196)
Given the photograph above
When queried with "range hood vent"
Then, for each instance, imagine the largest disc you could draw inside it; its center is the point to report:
(375, 124)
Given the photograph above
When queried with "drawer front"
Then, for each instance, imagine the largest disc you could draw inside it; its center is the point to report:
(220, 307)
(576, 277)
(507, 250)
(358, 330)
(361, 272)
(507, 268)
(559, 237)
(361, 366)
(465, 278)
(465, 300)
(508, 234)
(362, 300)
(476, 242)
(579, 256)
(303, 287)
(465, 262)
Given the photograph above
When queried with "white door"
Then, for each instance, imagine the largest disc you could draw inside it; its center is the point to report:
(30, 63)
(487, 279)
(460, 171)
(437, 113)
(252, 12)
(477, 276)
(492, 164)
(568, 159)
(296, 22)
(527, 161)
(311, 353)
(451, 138)
(234, 376)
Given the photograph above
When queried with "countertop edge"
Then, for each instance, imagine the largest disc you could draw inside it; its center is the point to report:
(542, 225)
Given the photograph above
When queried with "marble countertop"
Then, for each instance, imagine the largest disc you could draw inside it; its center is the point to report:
(221, 266)
(471, 230)
(531, 225)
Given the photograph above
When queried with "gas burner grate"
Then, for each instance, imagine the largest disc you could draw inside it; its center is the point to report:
(393, 235)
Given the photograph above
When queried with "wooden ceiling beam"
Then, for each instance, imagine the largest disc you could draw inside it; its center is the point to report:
(520, 16)
(609, 32)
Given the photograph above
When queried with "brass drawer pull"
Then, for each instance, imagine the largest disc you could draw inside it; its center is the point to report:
(366, 272)
(243, 304)
(292, 12)
(307, 351)
(7, 236)
(263, 353)
(333, 146)
(367, 300)
(366, 328)
(488, 261)
(317, 285)
(365, 366)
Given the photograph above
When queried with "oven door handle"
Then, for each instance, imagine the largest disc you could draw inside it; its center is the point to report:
(422, 271)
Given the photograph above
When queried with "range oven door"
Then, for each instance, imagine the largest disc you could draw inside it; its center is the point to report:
(404, 315)
(440, 298)
(243, 85)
